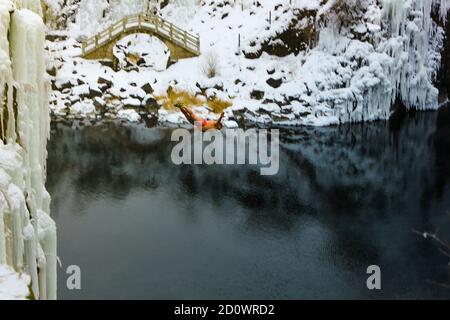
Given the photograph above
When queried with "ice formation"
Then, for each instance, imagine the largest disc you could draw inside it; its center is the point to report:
(370, 54)
(399, 61)
(27, 233)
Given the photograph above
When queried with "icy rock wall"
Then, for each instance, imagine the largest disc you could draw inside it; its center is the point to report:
(391, 51)
(444, 74)
(58, 14)
(27, 233)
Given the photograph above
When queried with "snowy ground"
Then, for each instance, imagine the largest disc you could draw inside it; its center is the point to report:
(354, 71)
(142, 50)
(13, 286)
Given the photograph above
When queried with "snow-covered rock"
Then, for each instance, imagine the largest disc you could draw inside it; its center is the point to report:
(129, 115)
(84, 108)
(142, 50)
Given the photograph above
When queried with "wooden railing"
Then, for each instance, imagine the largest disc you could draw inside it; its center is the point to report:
(144, 22)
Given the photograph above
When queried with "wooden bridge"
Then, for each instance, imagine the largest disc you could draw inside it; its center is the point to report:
(180, 43)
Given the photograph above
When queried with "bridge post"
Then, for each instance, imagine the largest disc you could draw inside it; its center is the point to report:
(139, 22)
(171, 32)
(185, 39)
(96, 40)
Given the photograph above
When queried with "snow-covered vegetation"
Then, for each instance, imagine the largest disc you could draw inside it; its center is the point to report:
(27, 233)
(300, 62)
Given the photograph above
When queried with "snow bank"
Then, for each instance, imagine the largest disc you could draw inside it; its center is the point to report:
(13, 286)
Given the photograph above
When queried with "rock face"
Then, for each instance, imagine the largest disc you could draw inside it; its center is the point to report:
(59, 13)
(298, 36)
(443, 79)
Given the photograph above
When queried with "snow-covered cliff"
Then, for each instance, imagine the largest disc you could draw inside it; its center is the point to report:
(300, 62)
(27, 233)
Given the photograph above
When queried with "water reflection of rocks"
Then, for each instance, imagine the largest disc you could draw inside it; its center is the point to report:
(353, 193)
(344, 169)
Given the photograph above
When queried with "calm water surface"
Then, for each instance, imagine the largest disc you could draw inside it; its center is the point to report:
(345, 198)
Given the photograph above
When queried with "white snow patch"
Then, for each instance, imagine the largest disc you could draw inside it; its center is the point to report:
(13, 286)
(129, 115)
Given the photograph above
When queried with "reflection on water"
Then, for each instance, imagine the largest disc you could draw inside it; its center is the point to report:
(345, 198)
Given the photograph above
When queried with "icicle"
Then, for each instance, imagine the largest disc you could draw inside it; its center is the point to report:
(5, 69)
(401, 60)
(30, 245)
(4, 202)
(444, 7)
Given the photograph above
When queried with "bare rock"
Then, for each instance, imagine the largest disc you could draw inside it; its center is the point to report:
(147, 88)
(274, 83)
(257, 95)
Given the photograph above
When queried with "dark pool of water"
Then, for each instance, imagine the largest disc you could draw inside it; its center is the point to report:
(345, 198)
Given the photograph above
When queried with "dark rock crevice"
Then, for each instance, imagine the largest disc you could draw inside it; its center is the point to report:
(443, 78)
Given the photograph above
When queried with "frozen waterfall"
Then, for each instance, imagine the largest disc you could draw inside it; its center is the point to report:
(27, 233)
(400, 61)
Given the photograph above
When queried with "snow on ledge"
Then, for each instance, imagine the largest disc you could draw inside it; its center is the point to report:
(129, 115)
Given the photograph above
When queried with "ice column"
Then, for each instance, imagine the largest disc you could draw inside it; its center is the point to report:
(27, 233)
